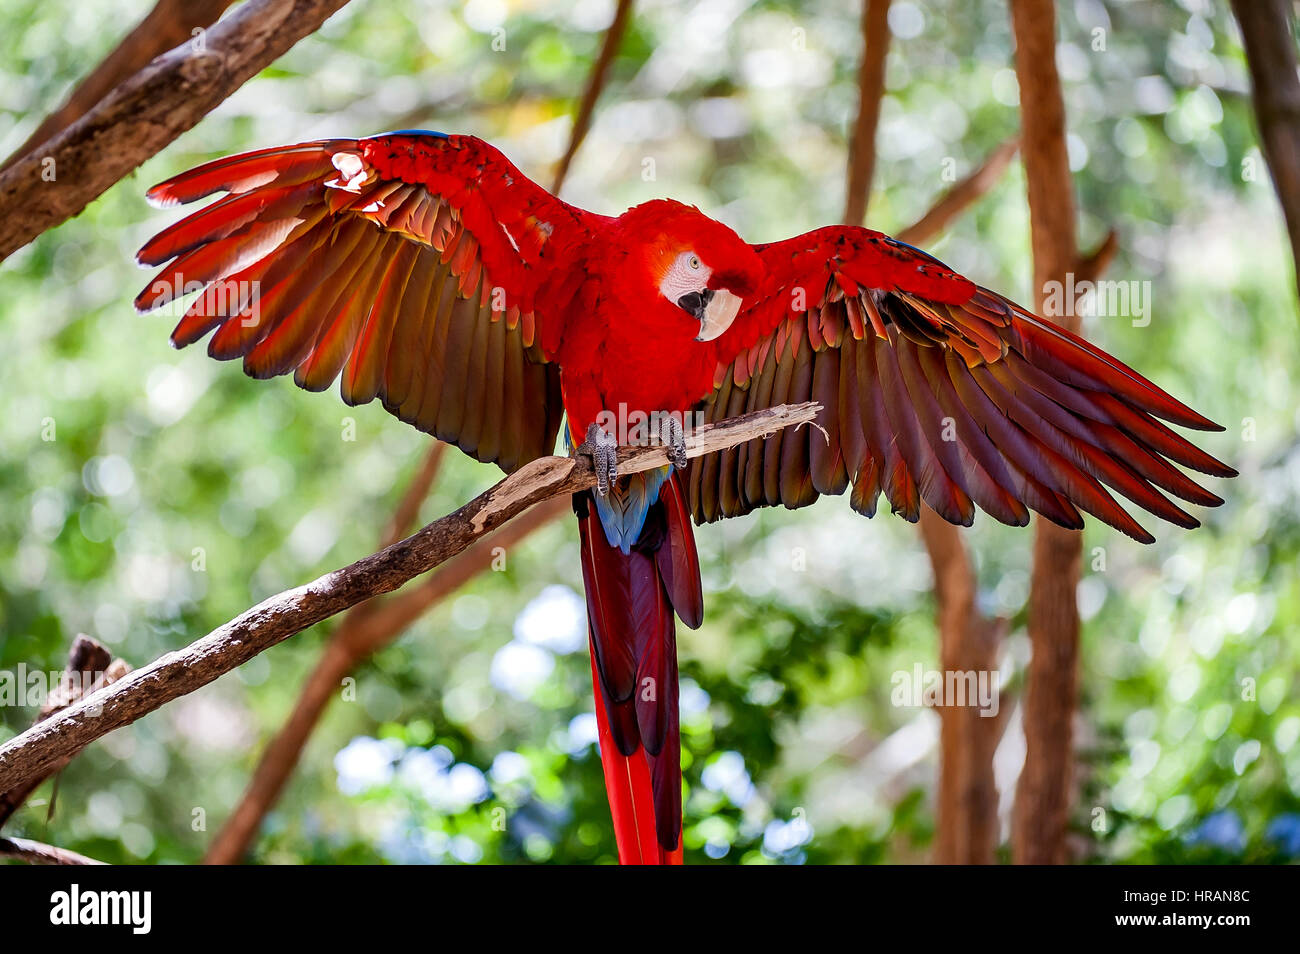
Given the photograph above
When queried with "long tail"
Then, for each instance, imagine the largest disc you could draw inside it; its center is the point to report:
(631, 598)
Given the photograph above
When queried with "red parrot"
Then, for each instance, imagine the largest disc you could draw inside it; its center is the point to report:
(426, 270)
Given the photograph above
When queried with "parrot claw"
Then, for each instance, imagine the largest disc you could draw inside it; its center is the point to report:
(602, 448)
(672, 437)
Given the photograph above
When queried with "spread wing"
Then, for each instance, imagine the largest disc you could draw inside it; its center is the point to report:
(937, 390)
(420, 268)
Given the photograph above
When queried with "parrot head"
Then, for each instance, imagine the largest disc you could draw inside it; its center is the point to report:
(692, 264)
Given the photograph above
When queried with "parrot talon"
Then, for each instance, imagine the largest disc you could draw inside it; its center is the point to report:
(672, 437)
(602, 448)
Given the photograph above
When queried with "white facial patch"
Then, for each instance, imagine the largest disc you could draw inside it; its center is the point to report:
(685, 275)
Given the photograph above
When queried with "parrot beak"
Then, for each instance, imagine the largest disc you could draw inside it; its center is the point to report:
(715, 309)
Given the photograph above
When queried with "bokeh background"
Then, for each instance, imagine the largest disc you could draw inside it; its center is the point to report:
(1189, 726)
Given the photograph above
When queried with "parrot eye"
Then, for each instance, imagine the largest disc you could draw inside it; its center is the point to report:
(694, 263)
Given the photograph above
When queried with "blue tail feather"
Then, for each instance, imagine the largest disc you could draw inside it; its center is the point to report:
(624, 510)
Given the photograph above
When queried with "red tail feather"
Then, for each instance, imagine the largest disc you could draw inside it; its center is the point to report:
(631, 796)
(634, 669)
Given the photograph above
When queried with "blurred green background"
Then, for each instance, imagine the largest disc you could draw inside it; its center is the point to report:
(1189, 725)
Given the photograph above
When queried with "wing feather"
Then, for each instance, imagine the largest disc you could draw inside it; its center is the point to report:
(373, 261)
(934, 389)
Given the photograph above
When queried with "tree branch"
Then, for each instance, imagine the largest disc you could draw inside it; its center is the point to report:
(596, 82)
(168, 24)
(1093, 265)
(961, 196)
(90, 666)
(144, 114)
(871, 89)
(277, 618)
(356, 639)
(967, 819)
(38, 853)
(967, 803)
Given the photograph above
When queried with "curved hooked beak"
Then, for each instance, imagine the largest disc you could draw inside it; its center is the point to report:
(715, 309)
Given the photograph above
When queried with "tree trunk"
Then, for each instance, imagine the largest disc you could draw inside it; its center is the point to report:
(967, 815)
(1042, 795)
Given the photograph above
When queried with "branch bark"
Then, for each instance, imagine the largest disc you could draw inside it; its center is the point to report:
(275, 619)
(1266, 32)
(1041, 813)
(168, 24)
(967, 804)
(871, 89)
(144, 114)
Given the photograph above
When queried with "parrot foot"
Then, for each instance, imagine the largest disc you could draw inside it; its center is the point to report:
(671, 436)
(602, 448)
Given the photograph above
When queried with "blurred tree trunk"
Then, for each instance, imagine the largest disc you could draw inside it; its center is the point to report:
(967, 815)
(595, 83)
(967, 802)
(1270, 52)
(1043, 794)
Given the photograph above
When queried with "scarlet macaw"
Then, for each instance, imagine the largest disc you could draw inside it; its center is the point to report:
(432, 274)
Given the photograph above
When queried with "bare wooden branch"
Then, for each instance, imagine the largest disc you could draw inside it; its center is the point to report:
(962, 195)
(1043, 793)
(90, 666)
(1266, 31)
(170, 23)
(277, 618)
(144, 114)
(599, 72)
(967, 805)
(871, 89)
(339, 658)
(357, 639)
(39, 853)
